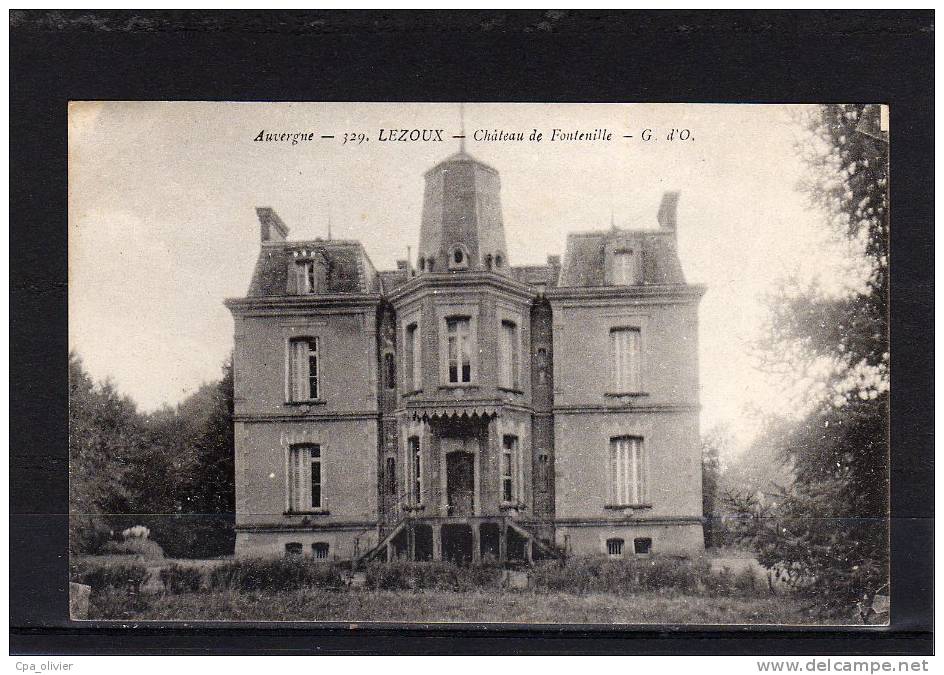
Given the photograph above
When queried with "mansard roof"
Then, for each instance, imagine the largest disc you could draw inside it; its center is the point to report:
(585, 257)
(347, 267)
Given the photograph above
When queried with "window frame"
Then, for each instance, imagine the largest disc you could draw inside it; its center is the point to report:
(412, 354)
(463, 350)
(615, 547)
(414, 450)
(291, 384)
(318, 547)
(624, 270)
(509, 354)
(627, 473)
(509, 483)
(390, 370)
(306, 277)
(300, 492)
(444, 311)
(626, 375)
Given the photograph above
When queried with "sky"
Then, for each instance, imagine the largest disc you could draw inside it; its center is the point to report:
(162, 223)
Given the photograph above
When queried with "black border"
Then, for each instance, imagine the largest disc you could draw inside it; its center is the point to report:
(449, 56)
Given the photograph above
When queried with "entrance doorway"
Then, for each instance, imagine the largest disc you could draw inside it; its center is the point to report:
(460, 483)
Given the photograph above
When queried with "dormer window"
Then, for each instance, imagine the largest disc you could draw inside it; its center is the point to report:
(306, 276)
(625, 268)
(458, 258)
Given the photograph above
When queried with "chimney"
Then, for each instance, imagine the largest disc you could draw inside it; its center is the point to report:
(553, 260)
(271, 226)
(666, 215)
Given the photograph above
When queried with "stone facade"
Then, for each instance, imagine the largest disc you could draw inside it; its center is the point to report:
(458, 406)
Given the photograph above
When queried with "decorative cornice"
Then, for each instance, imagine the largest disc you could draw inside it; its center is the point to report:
(636, 520)
(470, 408)
(320, 416)
(648, 293)
(654, 408)
(461, 281)
(301, 304)
(307, 527)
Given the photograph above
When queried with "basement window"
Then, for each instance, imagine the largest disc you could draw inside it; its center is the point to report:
(642, 545)
(293, 549)
(614, 548)
(319, 550)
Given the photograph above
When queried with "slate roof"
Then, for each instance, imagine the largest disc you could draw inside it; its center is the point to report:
(535, 275)
(585, 255)
(349, 270)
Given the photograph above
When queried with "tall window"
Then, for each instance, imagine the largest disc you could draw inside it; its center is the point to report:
(390, 476)
(627, 472)
(459, 350)
(413, 366)
(508, 355)
(305, 478)
(508, 467)
(416, 461)
(626, 360)
(624, 268)
(303, 369)
(390, 371)
(544, 472)
(306, 277)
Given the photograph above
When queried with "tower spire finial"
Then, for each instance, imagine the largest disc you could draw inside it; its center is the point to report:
(462, 127)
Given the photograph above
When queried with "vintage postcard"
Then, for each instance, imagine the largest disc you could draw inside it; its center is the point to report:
(621, 364)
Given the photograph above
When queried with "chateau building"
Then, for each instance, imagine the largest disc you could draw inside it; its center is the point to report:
(459, 406)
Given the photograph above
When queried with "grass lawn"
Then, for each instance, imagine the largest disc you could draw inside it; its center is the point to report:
(362, 605)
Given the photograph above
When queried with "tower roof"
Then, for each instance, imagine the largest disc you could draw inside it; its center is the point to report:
(462, 226)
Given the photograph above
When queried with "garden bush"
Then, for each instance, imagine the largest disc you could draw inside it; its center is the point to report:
(181, 579)
(275, 574)
(127, 577)
(599, 574)
(139, 546)
(442, 576)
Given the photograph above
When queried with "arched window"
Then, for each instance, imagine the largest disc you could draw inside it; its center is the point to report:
(488, 261)
(498, 261)
(430, 263)
(422, 264)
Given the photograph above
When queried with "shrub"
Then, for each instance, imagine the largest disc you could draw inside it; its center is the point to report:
(442, 576)
(181, 579)
(599, 574)
(127, 577)
(145, 548)
(276, 574)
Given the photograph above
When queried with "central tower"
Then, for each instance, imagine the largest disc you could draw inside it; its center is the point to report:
(462, 226)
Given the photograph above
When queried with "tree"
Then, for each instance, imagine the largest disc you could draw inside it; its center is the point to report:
(715, 442)
(103, 435)
(829, 530)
